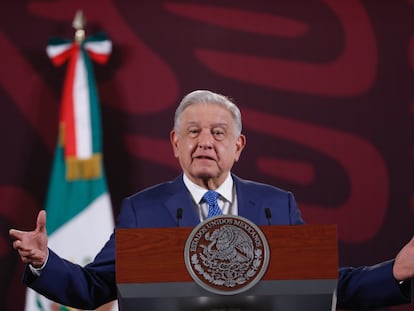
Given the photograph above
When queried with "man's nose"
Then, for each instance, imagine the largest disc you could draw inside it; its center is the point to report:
(205, 140)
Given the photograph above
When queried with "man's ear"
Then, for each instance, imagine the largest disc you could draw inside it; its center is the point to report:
(174, 142)
(240, 143)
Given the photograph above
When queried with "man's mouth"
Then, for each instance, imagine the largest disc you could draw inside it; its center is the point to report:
(203, 157)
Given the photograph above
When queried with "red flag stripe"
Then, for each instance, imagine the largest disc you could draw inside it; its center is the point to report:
(67, 116)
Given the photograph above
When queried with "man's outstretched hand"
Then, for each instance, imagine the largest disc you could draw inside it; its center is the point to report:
(32, 245)
(404, 262)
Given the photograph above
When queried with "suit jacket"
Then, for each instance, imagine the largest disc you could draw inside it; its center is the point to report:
(90, 286)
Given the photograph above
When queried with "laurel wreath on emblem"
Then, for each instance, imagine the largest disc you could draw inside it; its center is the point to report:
(229, 259)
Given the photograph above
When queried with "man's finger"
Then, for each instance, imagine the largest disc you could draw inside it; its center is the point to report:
(16, 244)
(16, 234)
(26, 254)
(41, 221)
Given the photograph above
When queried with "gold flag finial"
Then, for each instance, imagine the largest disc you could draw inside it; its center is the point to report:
(79, 23)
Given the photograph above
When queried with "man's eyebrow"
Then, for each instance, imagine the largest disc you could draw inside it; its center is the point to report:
(221, 124)
(218, 124)
(190, 123)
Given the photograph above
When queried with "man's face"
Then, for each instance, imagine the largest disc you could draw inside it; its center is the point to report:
(206, 144)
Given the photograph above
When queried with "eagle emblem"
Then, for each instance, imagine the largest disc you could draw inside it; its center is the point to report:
(226, 254)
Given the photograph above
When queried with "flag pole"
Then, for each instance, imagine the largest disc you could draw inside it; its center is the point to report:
(79, 23)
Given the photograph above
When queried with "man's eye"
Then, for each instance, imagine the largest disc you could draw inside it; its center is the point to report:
(218, 134)
(193, 132)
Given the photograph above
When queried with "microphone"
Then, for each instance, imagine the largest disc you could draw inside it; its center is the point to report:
(268, 215)
(179, 216)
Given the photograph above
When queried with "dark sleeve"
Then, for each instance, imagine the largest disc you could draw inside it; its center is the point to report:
(76, 286)
(370, 287)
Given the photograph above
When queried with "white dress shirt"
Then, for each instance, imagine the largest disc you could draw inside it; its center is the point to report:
(227, 199)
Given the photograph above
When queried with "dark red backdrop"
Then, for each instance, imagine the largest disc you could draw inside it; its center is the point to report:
(325, 88)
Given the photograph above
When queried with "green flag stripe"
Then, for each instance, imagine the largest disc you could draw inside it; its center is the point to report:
(66, 199)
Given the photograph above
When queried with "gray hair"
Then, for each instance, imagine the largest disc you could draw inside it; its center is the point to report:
(205, 96)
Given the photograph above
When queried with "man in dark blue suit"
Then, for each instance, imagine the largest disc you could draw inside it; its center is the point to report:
(207, 141)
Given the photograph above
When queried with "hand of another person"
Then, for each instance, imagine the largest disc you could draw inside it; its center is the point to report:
(404, 262)
(32, 245)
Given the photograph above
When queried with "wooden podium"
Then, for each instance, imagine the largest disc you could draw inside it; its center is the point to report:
(301, 275)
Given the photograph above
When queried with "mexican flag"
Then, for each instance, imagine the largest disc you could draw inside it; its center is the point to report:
(78, 208)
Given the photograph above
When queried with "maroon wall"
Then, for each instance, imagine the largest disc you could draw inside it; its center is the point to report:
(326, 90)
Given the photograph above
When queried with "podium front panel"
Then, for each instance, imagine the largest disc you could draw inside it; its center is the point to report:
(302, 272)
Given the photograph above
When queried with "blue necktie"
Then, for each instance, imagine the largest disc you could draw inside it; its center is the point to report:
(211, 199)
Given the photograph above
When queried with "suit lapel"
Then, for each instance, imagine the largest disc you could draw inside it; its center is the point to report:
(248, 202)
(181, 198)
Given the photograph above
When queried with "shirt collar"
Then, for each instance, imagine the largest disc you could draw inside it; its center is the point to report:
(225, 189)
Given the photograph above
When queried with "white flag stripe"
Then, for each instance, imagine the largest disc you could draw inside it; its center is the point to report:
(101, 47)
(53, 50)
(82, 113)
(92, 226)
(31, 300)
